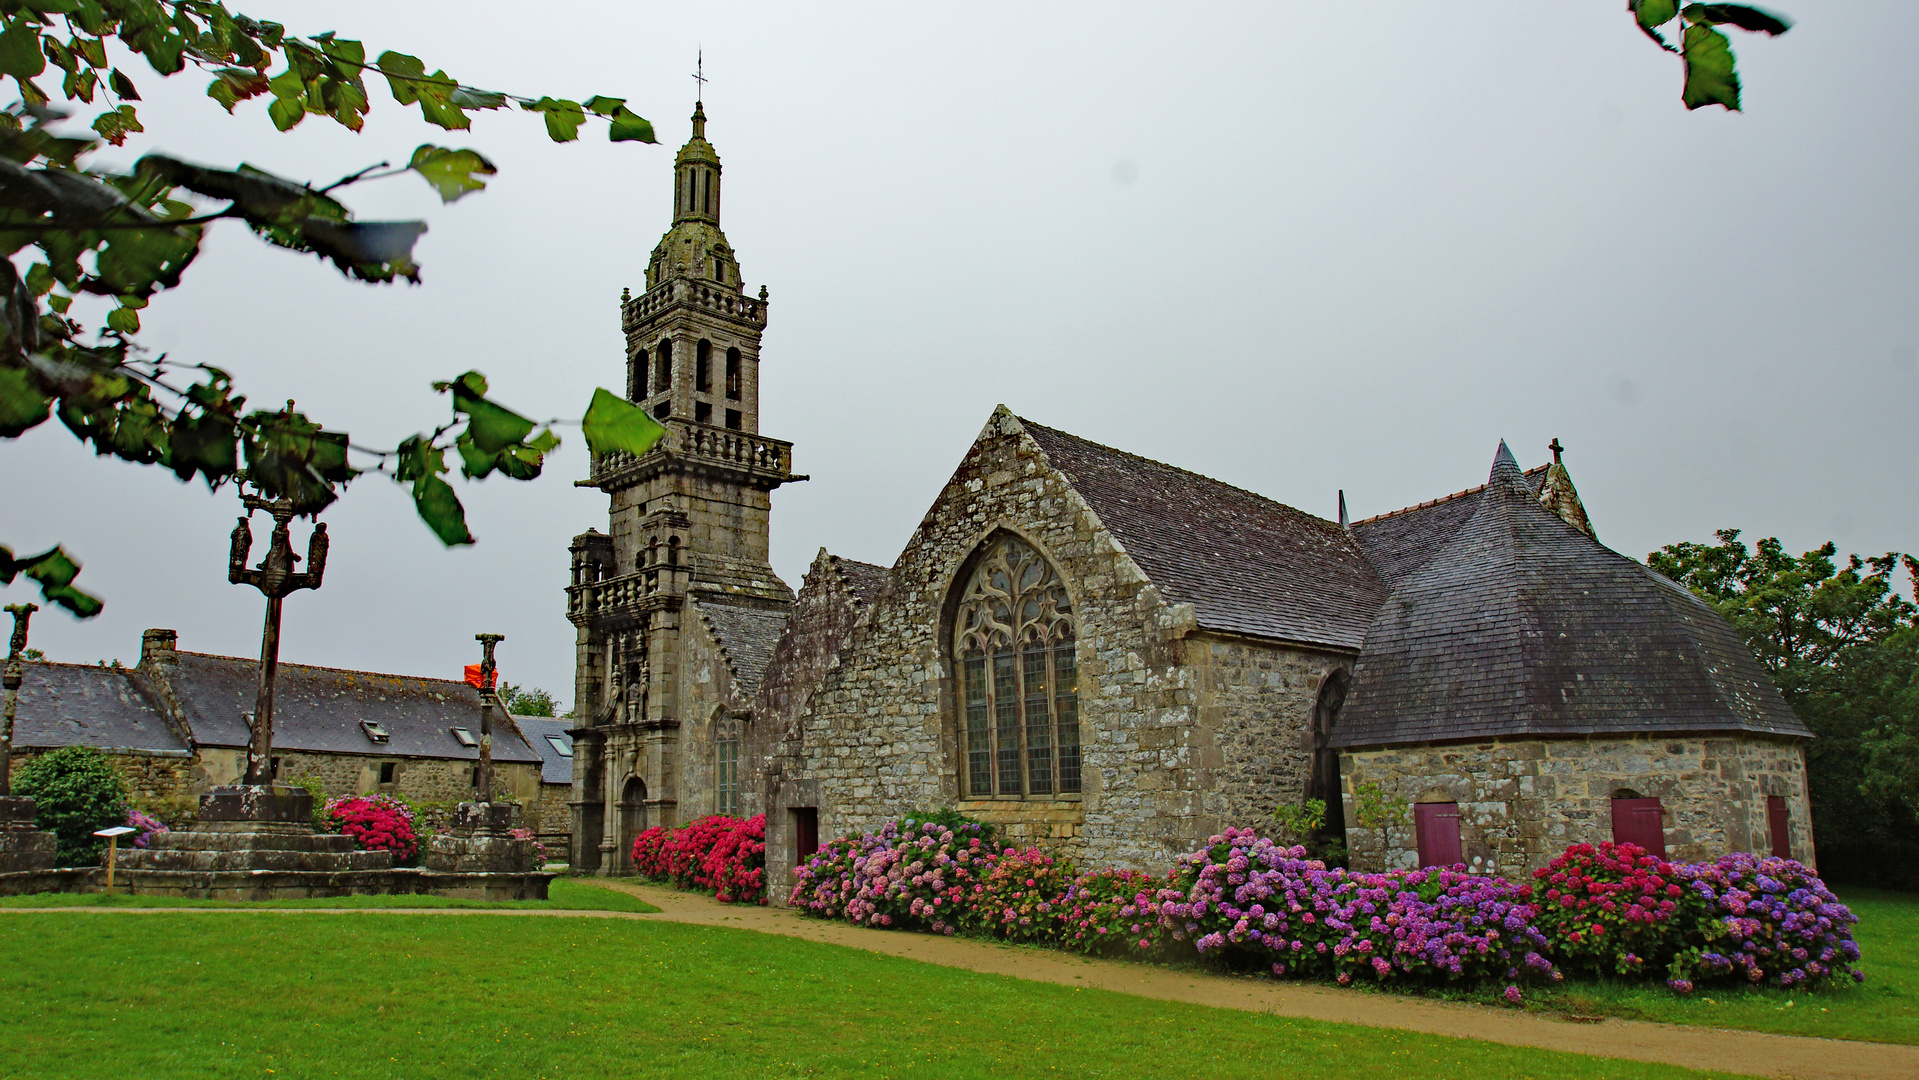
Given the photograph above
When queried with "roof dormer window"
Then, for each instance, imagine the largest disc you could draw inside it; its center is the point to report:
(465, 736)
(560, 746)
(374, 731)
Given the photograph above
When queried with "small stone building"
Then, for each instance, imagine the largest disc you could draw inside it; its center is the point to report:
(1524, 688)
(548, 737)
(176, 725)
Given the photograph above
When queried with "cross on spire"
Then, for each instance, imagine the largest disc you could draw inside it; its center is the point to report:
(699, 76)
(1556, 449)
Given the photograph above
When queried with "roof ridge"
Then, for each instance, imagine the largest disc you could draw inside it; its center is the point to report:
(319, 667)
(1430, 503)
(1177, 469)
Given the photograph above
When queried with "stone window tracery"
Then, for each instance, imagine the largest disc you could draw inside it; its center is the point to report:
(1013, 650)
(726, 766)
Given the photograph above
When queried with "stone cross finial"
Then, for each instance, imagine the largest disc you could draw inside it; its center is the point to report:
(21, 613)
(1556, 449)
(699, 74)
(488, 695)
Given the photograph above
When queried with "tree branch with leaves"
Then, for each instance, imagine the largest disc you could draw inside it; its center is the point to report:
(1711, 78)
(81, 231)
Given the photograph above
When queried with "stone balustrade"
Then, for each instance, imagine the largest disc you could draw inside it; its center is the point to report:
(626, 592)
(772, 458)
(714, 298)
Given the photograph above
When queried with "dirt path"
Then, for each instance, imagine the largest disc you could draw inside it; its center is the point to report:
(1748, 1052)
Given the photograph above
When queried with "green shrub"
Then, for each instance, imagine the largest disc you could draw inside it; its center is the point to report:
(950, 818)
(315, 787)
(77, 790)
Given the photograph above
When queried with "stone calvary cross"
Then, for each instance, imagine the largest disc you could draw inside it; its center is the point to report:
(275, 578)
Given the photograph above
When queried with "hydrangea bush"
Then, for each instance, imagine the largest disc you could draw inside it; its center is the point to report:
(1768, 920)
(376, 823)
(911, 874)
(1248, 902)
(1248, 898)
(147, 825)
(722, 855)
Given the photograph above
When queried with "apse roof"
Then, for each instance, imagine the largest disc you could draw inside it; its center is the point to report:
(1520, 624)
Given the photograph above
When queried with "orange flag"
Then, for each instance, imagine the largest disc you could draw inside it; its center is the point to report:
(473, 677)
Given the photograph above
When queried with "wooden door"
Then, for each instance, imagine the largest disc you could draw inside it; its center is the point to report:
(1642, 822)
(1781, 826)
(1436, 830)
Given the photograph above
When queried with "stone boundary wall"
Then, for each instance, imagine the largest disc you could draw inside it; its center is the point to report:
(1523, 801)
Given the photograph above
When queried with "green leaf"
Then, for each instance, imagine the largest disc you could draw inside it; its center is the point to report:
(440, 508)
(563, 118)
(22, 405)
(54, 571)
(401, 70)
(1653, 14)
(233, 85)
(467, 97)
(20, 54)
(207, 444)
(453, 173)
(286, 112)
(628, 126)
(1745, 18)
(492, 427)
(1710, 78)
(614, 423)
(123, 320)
(123, 86)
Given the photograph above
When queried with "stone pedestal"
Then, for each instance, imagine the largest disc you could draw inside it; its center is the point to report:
(481, 842)
(272, 803)
(252, 845)
(22, 846)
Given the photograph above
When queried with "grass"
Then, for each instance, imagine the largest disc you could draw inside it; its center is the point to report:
(565, 894)
(422, 997)
(1884, 1009)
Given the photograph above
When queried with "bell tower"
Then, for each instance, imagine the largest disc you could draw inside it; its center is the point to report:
(688, 523)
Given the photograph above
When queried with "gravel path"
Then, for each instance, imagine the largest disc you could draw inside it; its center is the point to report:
(1747, 1052)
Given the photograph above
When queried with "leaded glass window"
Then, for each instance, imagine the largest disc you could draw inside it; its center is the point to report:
(1013, 642)
(726, 766)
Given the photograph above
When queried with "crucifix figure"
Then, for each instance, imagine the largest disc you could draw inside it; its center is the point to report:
(488, 697)
(274, 577)
(10, 680)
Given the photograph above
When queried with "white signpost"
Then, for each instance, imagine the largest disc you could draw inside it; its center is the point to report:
(113, 836)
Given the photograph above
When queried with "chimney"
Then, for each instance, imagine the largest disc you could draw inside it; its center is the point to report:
(157, 648)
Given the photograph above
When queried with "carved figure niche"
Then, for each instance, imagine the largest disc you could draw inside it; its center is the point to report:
(1013, 649)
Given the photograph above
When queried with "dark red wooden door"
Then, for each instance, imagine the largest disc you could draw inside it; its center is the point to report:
(1436, 830)
(1781, 828)
(806, 833)
(1639, 821)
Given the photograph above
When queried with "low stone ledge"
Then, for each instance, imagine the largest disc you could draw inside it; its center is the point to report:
(281, 884)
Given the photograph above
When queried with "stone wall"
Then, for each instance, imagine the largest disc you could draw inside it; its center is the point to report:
(1177, 732)
(153, 777)
(706, 697)
(1522, 801)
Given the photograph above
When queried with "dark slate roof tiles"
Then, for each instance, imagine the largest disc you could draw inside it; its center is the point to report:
(88, 705)
(1522, 625)
(319, 710)
(1401, 542)
(1247, 564)
(747, 635)
(555, 767)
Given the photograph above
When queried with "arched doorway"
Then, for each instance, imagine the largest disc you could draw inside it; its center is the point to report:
(632, 821)
(1324, 784)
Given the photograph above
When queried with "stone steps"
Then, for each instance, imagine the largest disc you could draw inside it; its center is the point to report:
(251, 840)
(221, 860)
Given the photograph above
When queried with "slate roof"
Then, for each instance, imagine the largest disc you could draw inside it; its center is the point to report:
(88, 705)
(1522, 625)
(865, 579)
(555, 767)
(1401, 542)
(1247, 564)
(747, 636)
(318, 710)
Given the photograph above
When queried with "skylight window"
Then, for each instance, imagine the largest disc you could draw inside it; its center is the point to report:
(564, 748)
(374, 731)
(466, 737)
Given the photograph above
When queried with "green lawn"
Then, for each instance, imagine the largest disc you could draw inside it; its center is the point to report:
(1884, 1009)
(419, 996)
(568, 894)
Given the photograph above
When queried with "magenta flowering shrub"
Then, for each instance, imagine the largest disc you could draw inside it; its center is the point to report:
(720, 854)
(376, 823)
(1766, 920)
(1249, 899)
(1019, 898)
(1117, 911)
(1615, 909)
(910, 875)
(147, 824)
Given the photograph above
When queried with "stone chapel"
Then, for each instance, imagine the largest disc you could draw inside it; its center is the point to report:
(1118, 658)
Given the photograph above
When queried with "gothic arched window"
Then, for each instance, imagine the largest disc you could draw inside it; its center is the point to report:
(726, 766)
(1013, 641)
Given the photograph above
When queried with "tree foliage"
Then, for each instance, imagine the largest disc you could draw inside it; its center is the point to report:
(75, 791)
(1711, 78)
(1843, 647)
(71, 229)
(529, 701)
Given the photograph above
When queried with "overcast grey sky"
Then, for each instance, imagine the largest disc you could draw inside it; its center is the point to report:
(1298, 247)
